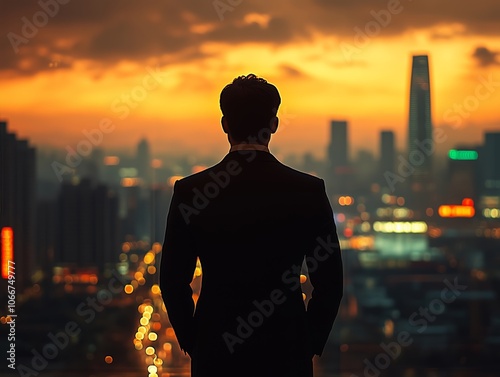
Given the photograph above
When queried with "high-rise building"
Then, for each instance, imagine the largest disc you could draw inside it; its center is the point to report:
(338, 157)
(92, 166)
(111, 171)
(135, 211)
(490, 164)
(46, 221)
(338, 148)
(387, 152)
(463, 174)
(87, 230)
(420, 141)
(17, 203)
(143, 161)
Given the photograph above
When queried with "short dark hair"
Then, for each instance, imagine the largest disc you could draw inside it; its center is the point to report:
(249, 104)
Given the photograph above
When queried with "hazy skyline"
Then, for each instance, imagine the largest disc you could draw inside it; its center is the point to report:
(157, 69)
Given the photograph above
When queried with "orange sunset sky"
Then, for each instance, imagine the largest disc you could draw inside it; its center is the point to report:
(329, 59)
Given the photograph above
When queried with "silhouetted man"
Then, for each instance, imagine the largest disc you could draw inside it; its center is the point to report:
(251, 221)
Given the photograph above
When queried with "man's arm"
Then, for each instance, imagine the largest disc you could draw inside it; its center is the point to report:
(178, 262)
(324, 263)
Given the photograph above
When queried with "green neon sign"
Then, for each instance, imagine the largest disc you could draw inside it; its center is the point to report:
(463, 155)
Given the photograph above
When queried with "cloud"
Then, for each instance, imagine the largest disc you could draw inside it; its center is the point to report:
(106, 32)
(485, 57)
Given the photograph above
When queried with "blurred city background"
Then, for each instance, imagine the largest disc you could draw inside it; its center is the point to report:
(415, 187)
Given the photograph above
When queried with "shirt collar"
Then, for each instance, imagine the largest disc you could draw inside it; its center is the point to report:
(246, 146)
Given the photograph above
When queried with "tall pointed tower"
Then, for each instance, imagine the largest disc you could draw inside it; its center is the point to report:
(420, 142)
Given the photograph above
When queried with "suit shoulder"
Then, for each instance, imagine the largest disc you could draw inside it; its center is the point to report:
(195, 178)
(305, 177)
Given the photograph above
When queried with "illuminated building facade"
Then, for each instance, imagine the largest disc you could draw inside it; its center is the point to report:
(463, 174)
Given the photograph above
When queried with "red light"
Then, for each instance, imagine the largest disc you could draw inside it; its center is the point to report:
(7, 250)
(468, 202)
(348, 232)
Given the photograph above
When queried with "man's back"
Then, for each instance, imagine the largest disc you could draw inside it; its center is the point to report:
(251, 221)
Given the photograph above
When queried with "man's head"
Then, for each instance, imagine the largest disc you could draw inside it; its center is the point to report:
(249, 106)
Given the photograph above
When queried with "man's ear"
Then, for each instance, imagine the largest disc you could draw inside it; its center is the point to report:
(274, 125)
(225, 128)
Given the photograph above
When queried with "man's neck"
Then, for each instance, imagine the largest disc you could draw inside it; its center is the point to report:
(247, 146)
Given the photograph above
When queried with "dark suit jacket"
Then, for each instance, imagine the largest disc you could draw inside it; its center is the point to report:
(251, 221)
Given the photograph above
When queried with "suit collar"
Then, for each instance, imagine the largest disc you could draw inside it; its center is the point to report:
(250, 155)
(247, 146)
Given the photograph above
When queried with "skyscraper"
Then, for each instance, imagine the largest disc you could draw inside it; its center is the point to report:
(143, 160)
(338, 157)
(420, 142)
(387, 152)
(87, 228)
(338, 149)
(17, 202)
(92, 166)
(490, 164)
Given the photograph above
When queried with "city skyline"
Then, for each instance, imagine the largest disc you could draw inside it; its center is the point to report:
(418, 98)
(164, 81)
(56, 160)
